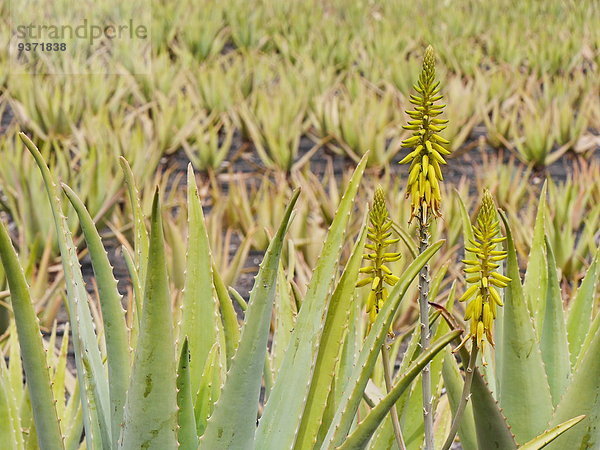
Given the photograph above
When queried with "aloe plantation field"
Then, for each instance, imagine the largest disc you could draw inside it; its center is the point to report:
(307, 224)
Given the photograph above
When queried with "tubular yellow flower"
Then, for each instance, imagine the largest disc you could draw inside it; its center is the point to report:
(429, 147)
(379, 275)
(483, 295)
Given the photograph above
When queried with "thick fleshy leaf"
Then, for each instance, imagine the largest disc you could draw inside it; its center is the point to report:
(32, 352)
(140, 232)
(150, 419)
(490, 424)
(198, 308)
(453, 382)
(113, 315)
(95, 391)
(548, 436)
(365, 429)
(554, 343)
(580, 313)
(582, 396)
(361, 373)
(525, 393)
(186, 432)
(276, 430)
(536, 278)
(231, 327)
(336, 325)
(233, 422)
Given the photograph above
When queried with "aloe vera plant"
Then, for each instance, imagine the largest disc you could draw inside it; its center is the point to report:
(136, 402)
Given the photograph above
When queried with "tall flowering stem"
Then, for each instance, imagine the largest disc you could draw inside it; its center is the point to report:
(423, 187)
(482, 294)
(380, 276)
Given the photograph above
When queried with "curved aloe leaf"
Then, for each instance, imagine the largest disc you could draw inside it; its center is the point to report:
(490, 424)
(276, 430)
(198, 308)
(186, 433)
(140, 232)
(536, 278)
(525, 392)
(150, 419)
(454, 384)
(231, 327)
(355, 387)
(233, 422)
(94, 392)
(548, 436)
(582, 396)
(365, 429)
(32, 349)
(554, 343)
(113, 315)
(336, 325)
(580, 313)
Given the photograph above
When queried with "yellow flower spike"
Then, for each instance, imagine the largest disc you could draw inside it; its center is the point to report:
(381, 275)
(483, 295)
(425, 173)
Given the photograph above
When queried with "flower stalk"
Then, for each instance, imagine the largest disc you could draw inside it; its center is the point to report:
(423, 187)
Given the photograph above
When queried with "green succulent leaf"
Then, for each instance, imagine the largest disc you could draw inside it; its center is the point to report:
(548, 436)
(336, 325)
(113, 315)
(453, 383)
(276, 430)
(233, 422)
(365, 429)
(580, 314)
(357, 382)
(554, 343)
(186, 433)
(32, 352)
(150, 419)
(525, 392)
(536, 278)
(95, 392)
(198, 309)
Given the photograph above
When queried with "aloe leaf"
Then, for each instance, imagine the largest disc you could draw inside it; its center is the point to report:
(84, 337)
(554, 343)
(454, 384)
(9, 430)
(582, 396)
(580, 313)
(536, 277)
(332, 338)
(198, 309)
(525, 393)
(352, 395)
(491, 426)
(284, 320)
(32, 349)
(365, 429)
(232, 424)
(275, 429)
(137, 292)
(113, 315)
(12, 418)
(186, 433)
(231, 327)
(150, 418)
(140, 232)
(210, 386)
(548, 436)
